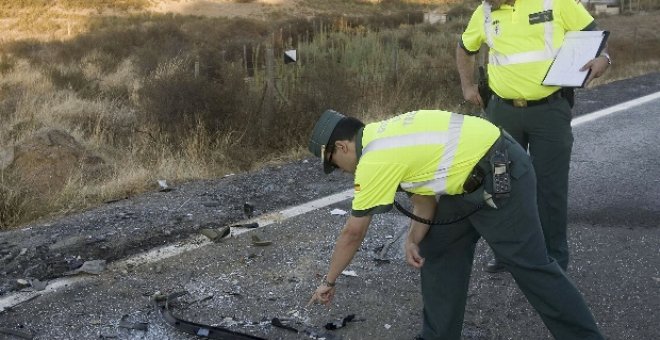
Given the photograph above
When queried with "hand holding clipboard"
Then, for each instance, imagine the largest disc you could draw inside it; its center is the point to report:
(578, 48)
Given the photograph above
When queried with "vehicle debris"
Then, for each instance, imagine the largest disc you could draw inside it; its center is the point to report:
(256, 241)
(342, 323)
(141, 326)
(351, 273)
(381, 256)
(162, 304)
(309, 330)
(278, 323)
(338, 212)
(94, 267)
(252, 225)
(318, 335)
(38, 285)
(215, 235)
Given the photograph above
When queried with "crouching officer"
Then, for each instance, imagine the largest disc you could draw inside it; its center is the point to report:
(449, 164)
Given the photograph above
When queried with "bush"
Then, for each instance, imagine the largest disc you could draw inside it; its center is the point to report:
(175, 101)
(14, 204)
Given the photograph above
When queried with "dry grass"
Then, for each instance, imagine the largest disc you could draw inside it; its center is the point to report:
(634, 45)
(126, 88)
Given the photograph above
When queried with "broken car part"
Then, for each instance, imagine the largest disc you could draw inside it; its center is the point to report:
(382, 255)
(342, 323)
(310, 331)
(278, 323)
(252, 225)
(256, 241)
(201, 330)
(215, 235)
(124, 323)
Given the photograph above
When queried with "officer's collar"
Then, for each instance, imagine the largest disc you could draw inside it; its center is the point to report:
(358, 143)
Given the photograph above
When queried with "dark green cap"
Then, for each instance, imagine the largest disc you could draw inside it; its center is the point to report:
(321, 135)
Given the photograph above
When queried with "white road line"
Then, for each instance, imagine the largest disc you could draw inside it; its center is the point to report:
(192, 243)
(198, 241)
(195, 242)
(616, 108)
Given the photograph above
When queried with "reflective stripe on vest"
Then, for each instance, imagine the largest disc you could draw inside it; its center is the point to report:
(495, 58)
(449, 138)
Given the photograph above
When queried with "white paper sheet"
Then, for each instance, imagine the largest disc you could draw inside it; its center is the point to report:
(577, 49)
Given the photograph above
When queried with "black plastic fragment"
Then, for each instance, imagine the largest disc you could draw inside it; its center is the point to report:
(201, 330)
(278, 323)
(339, 324)
(252, 225)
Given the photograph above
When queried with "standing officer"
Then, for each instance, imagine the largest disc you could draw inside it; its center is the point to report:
(446, 161)
(523, 36)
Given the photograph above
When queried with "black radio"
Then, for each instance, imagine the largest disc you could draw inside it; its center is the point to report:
(501, 174)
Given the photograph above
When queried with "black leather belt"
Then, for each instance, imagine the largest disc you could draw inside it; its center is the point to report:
(521, 102)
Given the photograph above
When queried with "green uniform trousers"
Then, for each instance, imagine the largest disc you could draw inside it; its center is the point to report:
(545, 131)
(513, 231)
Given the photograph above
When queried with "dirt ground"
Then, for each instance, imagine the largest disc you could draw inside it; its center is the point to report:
(228, 8)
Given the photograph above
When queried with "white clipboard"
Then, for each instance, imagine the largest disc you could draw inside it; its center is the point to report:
(577, 49)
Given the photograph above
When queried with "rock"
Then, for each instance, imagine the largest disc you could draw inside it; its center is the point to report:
(45, 161)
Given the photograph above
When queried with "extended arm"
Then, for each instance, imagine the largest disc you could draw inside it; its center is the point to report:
(346, 246)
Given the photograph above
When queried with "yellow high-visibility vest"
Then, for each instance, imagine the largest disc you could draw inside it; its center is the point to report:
(426, 152)
(523, 40)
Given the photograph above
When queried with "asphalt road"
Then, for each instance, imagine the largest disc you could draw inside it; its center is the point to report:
(614, 238)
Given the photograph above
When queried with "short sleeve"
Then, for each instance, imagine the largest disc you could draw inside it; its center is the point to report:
(474, 35)
(375, 187)
(573, 15)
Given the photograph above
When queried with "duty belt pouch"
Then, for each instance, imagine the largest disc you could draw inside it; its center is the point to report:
(474, 180)
(501, 170)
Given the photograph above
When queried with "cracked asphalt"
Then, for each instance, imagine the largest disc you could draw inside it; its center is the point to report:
(614, 209)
